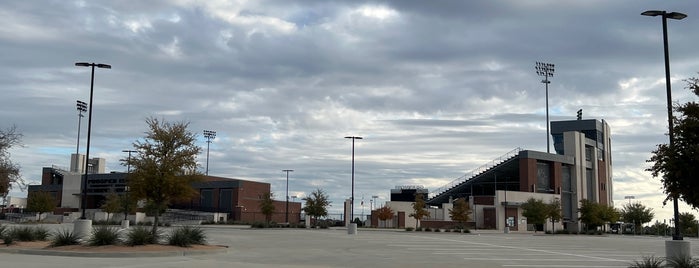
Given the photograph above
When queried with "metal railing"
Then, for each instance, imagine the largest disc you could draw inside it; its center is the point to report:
(475, 172)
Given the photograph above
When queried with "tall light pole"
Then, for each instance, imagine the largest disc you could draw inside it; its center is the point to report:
(287, 192)
(629, 197)
(82, 107)
(676, 16)
(89, 127)
(209, 135)
(546, 70)
(128, 160)
(352, 198)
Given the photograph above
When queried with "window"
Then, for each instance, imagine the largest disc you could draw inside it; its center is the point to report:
(543, 177)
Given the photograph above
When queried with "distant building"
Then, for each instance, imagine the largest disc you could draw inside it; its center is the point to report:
(407, 193)
(580, 169)
(237, 198)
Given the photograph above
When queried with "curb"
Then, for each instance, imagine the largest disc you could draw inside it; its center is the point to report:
(176, 253)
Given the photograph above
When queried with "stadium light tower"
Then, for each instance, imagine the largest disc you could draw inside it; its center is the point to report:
(352, 198)
(287, 192)
(82, 107)
(546, 70)
(89, 127)
(677, 235)
(209, 135)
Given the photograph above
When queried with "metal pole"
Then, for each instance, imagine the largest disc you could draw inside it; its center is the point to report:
(548, 143)
(87, 152)
(287, 192)
(352, 204)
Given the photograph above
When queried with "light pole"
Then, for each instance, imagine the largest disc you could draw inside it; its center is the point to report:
(352, 198)
(546, 70)
(82, 107)
(676, 16)
(629, 197)
(209, 135)
(89, 127)
(128, 160)
(287, 192)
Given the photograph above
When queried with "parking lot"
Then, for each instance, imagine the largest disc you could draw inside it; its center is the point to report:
(385, 248)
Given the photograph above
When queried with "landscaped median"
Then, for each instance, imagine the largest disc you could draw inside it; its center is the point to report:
(110, 251)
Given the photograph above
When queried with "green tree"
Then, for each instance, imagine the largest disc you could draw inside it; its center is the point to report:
(637, 213)
(536, 211)
(554, 213)
(590, 214)
(678, 166)
(111, 205)
(419, 210)
(316, 205)
(688, 223)
(9, 171)
(267, 206)
(40, 202)
(609, 214)
(461, 212)
(164, 167)
(384, 213)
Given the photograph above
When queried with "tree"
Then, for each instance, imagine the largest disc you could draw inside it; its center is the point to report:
(384, 213)
(678, 165)
(609, 214)
(164, 167)
(590, 214)
(688, 223)
(554, 213)
(40, 202)
(267, 206)
(536, 211)
(111, 204)
(316, 205)
(419, 210)
(461, 212)
(9, 171)
(637, 213)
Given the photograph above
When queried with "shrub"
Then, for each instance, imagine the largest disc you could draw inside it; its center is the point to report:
(65, 238)
(428, 229)
(104, 235)
(140, 235)
(409, 229)
(2, 230)
(186, 236)
(437, 230)
(41, 234)
(682, 262)
(447, 230)
(24, 233)
(648, 262)
(8, 240)
(418, 229)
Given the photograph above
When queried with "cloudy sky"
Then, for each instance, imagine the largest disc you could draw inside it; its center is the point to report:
(436, 88)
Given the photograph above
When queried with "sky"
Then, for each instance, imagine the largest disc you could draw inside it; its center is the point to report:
(435, 88)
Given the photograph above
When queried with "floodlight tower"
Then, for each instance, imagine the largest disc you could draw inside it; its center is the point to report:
(82, 107)
(209, 135)
(546, 70)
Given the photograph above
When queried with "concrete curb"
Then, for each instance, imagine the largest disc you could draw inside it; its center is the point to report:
(171, 253)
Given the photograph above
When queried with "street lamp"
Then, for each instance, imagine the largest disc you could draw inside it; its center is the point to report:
(89, 127)
(209, 135)
(629, 197)
(82, 107)
(128, 160)
(675, 16)
(352, 198)
(546, 70)
(287, 192)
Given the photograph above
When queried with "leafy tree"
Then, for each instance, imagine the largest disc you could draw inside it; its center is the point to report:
(609, 214)
(590, 214)
(637, 213)
(40, 202)
(165, 166)
(419, 210)
(267, 206)
(111, 204)
(317, 204)
(461, 212)
(678, 166)
(554, 213)
(688, 223)
(9, 172)
(119, 203)
(384, 213)
(536, 211)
